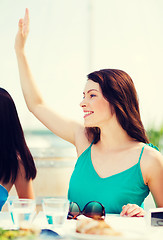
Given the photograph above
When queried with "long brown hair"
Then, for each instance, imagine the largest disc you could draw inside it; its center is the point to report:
(119, 90)
(13, 147)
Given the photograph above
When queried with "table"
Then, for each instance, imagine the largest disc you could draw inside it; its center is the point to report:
(137, 226)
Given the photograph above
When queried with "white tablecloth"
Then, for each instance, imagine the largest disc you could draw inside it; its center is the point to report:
(137, 228)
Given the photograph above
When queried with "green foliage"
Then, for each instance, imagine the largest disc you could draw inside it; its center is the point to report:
(156, 137)
(16, 235)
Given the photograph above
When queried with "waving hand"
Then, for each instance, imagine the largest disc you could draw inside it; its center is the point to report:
(23, 30)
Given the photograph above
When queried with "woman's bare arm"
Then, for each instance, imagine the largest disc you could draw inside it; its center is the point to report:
(152, 166)
(155, 179)
(23, 186)
(60, 126)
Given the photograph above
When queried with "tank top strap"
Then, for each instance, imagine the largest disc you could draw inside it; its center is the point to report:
(141, 153)
(153, 146)
(87, 150)
(91, 144)
(147, 144)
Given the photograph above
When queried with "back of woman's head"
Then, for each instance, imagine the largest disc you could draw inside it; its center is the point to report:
(13, 147)
(119, 90)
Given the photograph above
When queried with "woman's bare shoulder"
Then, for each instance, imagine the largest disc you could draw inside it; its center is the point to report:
(152, 154)
(152, 161)
(81, 140)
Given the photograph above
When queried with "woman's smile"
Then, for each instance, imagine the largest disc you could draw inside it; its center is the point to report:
(87, 113)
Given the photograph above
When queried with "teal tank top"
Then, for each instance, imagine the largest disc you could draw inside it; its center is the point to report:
(113, 191)
(3, 196)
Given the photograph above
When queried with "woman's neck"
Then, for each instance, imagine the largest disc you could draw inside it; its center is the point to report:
(113, 136)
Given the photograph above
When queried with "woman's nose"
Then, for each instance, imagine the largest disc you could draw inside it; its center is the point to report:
(83, 103)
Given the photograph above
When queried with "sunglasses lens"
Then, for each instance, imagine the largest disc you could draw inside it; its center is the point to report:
(93, 210)
(73, 210)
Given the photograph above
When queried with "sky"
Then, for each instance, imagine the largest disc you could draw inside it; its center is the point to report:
(70, 38)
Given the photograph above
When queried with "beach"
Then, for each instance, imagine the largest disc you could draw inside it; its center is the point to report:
(52, 178)
(54, 159)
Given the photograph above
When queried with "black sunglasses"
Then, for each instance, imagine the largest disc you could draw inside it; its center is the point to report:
(92, 209)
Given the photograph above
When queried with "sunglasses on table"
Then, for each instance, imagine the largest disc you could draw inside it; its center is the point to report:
(92, 209)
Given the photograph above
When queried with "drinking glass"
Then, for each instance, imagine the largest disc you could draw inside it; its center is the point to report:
(22, 211)
(55, 210)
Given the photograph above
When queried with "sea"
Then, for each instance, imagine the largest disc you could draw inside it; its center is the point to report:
(45, 144)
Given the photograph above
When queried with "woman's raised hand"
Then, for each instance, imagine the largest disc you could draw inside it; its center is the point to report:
(23, 30)
(132, 210)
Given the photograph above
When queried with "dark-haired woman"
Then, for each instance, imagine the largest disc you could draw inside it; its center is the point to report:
(116, 166)
(16, 163)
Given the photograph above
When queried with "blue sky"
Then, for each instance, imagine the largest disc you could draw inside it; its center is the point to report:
(69, 39)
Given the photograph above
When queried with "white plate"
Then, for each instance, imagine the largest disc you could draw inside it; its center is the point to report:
(124, 236)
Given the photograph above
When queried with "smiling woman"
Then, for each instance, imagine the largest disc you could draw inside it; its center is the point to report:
(118, 90)
(115, 165)
(94, 104)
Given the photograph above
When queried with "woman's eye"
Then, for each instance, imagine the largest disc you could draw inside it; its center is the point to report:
(92, 95)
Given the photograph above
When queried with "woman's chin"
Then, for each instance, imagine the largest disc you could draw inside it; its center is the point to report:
(86, 124)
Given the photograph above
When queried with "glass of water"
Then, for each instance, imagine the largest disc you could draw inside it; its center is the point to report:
(55, 210)
(22, 211)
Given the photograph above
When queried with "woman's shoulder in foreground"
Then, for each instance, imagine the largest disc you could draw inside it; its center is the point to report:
(152, 162)
(81, 140)
(152, 154)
